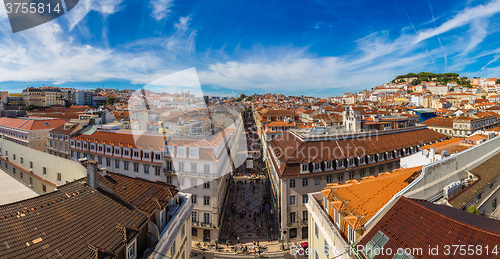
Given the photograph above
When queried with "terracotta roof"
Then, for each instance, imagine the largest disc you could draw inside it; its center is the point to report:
(439, 122)
(71, 222)
(291, 149)
(486, 172)
(364, 198)
(145, 195)
(421, 224)
(25, 124)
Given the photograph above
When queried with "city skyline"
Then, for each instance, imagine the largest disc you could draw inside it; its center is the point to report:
(252, 47)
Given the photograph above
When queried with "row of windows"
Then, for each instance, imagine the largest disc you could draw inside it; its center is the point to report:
(359, 161)
(206, 217)
(293, 216)
(206, 199)
(21, 160)
(340, 176)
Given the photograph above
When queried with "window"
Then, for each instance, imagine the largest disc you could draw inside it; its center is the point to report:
(146, 155)
(157, 170)
(336, 215)
(157, 156)
(362, 173)
(340, 163)
(22, 160)
(193, 199)
(329, 179)
(59, 177)
(329, 164)
(45, 171)
(293, 233)
(305, 198)
(169, 179)
(193, 183)
(292, 183)
(31, 165)
(305, 215)
(14, 156)
(44, 188)
(193, 152)
(304, 182)
(146, 169)
(293, 217)
(494, 204)
(207, 169)
(108, 162)
(206, 185)
(350, 234)
(292, 200)
(136, 167)
(351, 175)
(375, 245)
(316, 230)
(316, 166)
(182, 231)
(194, 232)
(98, 158)
(372, 171)
(206, 218)
(341, 177)
(194, 216)
(193, 167)
(181, 167)
(117, 163)
(206, 200)
(125, 165)
(317, 180)
(169, 165)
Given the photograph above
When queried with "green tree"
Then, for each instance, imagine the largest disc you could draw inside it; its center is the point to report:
(483, 96)
(498, 81)
(110, 100)
(416, 81)
(473, 209)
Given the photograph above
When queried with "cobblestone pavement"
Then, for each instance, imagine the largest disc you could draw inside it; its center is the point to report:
(248, 217)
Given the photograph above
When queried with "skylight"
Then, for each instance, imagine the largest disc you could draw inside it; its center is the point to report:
(374, 246)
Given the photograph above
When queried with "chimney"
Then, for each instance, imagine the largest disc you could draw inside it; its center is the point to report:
(92, 172)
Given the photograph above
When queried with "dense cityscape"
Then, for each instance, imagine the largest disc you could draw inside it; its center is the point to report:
(167, 129)
(147, 174)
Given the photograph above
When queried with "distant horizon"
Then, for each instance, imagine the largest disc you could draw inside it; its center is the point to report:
(315, 48)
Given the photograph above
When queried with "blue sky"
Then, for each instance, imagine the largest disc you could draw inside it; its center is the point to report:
(320, 48)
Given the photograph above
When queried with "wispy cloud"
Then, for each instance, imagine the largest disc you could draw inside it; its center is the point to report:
(161, 8)
(462, 18)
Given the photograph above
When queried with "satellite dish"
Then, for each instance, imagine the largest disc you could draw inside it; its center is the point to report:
(425, 152)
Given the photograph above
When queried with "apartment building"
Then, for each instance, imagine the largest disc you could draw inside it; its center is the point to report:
(300, 162)
(108, 215)
(43, 96)
(429, 230)
(58, 143)
(281, 121)
(463, 125)
(200, 165)
(37, 169)
(340, 213)
(30, 132)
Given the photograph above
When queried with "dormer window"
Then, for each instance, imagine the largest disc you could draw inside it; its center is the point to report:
(361, 160)
(317, 166)
(329, 164)
(305, 167)
(350, 162)
(380, 157)
(340, 163)
(371, 158)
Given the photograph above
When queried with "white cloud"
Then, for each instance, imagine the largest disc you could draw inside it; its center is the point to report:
(104, 7)
(462, 18)
(161, 8)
